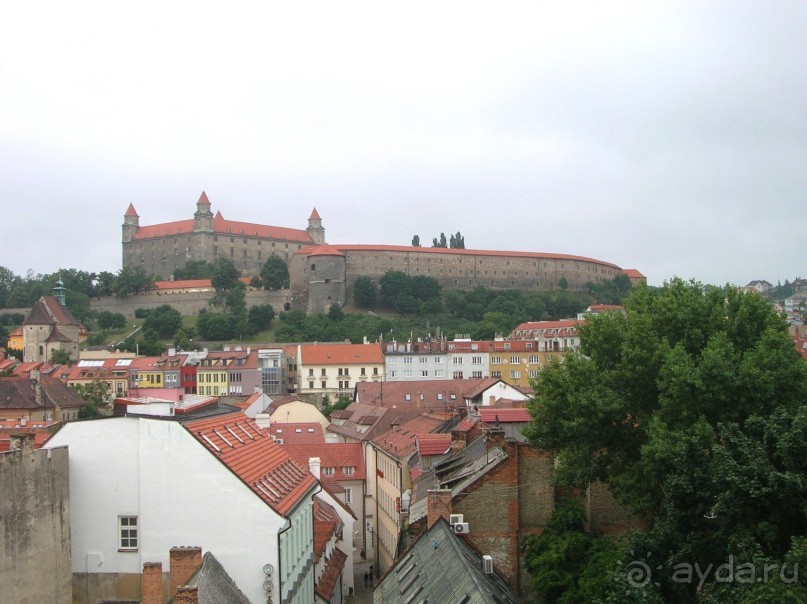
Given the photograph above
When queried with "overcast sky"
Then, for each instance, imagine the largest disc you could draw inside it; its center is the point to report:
(666, 137)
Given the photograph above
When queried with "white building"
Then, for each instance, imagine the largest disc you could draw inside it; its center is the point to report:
(139, 486)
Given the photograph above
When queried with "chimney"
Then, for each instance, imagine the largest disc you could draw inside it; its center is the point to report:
(314, 465)
(151, 583)
(492, 400)
(184, 562)
(495, 436)
(35, 376)
(186, 595)
(439, 505)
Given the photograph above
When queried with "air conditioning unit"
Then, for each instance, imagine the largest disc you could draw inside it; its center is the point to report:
(454, 519)
(487, 564)
(462, 528)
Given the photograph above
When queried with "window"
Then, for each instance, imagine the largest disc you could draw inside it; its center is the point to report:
(323, 384)
(424, 373)
(310, 372)
(348, 495)
(375, 370)
(496, 374)
(127, 526)
(476, 374)
(458, 360)
(476, 360)
(328, 470)
(458, 375)
(515, 375)
(322, 372)
(496, 360)
(514, 360)
(349, 470)
(533, 373)
(438, 373)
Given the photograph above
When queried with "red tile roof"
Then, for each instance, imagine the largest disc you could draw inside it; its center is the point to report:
(332, 455)
(400, 441)
(325, 250)
(462, 252)
(303, 433)
(340, 354)
(130, 211)
(314, 215)
(505, 416)
(326, 524)
(252, 455)
(328, 580)
(433, 444)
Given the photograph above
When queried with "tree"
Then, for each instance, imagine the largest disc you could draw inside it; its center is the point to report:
(215, 326)
(225, 275)
(275, 273)
(442, 242)
(110, 320)
(59, 357)
(194, 269)
(95, 395)
(165, 320)
(416, 241)
(395, 285)
(335, 313)
(260, 317)
(457, 241)
(365, 292)
(693, 408)
(132, 280)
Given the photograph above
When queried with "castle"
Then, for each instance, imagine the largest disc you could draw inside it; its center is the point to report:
(323, 274)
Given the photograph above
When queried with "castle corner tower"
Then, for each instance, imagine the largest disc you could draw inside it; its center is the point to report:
(203, 217)
(131, 223)
(315, 229)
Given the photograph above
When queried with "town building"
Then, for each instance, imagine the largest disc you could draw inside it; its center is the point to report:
(50, 327)
(333, 370)
(36, 399)
(140, 485)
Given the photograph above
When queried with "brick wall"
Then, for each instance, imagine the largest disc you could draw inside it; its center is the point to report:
(184, 562)
(151, 583)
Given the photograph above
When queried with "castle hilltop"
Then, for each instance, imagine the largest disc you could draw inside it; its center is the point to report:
(322, 274)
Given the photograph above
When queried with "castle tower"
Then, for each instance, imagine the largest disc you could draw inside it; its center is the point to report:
(131, 222)
(325, 270)
(59, 293)
(203, 217)
(315, 229)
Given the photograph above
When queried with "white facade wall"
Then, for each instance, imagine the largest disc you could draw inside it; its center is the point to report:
(473, 364)
(181, 494)
(416, 367)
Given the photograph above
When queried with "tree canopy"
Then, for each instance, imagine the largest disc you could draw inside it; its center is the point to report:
(275, 273)
(692, 407)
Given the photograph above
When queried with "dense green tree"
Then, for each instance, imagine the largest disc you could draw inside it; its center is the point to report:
(225, 275)
(96, 395)
(693, 408)
(3, 335)
(59, 357)
(416, 241)
(260, 317)
(215, 326)
(7, 281)
(105, 284)
(194, 269)
(457, 241)
(165, 320)
(132, 280)
(12, 318)
(275, 273)
(149, 342)
(395, 285)
(424, 288)
(110, 320)
(441, 242)
(365, 292)
(335, 313)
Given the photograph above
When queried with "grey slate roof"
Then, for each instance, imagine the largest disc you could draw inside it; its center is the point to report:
(214, 585)
(441, 567)
(455, 473)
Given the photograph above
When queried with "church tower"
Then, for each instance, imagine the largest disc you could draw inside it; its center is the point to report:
(131, 223)
(315, 229)
(203, 217)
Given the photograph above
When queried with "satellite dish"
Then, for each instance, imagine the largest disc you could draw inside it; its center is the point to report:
(268, 569)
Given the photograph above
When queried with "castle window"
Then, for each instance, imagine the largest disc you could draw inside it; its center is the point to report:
(232, 239)
(313, 267)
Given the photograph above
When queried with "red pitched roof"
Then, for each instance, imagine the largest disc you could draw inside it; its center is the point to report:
(505, 415)
(340, 354)
(326, 522)
(325, 250)
(332, 455)
(328, 580)
(130, 211)
(463, 252)
(252, 455)
(400, 441)
(433, 444)
(303, 433)
(314, 215)
(203, 199)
